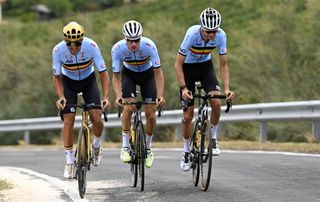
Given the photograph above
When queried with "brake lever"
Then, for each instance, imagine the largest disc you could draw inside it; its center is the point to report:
(229, 106)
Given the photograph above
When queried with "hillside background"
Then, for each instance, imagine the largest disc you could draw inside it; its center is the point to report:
(273, 52)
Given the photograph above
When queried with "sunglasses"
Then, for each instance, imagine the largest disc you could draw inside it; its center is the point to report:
(76, 43)
(210, 31)
(135, 41)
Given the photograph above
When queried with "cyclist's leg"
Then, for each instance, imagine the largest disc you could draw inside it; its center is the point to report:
(91, 96)
(211, 86)
(186, 126)
(68, 114)
(149, 93)
(128, 94)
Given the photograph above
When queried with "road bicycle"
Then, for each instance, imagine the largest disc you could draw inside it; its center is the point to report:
(201, 140)
(83, 153)
(138, 148)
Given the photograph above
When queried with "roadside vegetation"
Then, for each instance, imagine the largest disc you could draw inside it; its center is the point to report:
(4, 184)
(273, 57)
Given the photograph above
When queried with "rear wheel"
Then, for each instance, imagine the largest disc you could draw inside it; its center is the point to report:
(82, 159)
(141, 153)
(205, 155)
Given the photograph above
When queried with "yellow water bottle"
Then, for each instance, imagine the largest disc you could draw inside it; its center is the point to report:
(132, 135)
(198, 137)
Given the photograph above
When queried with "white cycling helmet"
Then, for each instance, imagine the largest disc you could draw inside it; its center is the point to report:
(132, 30)
(210, 19)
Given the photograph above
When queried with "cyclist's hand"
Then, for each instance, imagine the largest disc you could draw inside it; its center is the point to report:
(186, 94)
(230, 94)
(160, 102)
(61, 103)
(105, 104)
(118, 102)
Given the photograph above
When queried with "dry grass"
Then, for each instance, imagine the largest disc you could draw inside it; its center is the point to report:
(5, 185)
(230, 145)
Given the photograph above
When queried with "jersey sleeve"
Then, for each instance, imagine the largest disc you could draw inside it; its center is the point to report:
(155, 58)
(116, 61)
(97, 58)
(222, 43)
(56, 61)
(186, 44)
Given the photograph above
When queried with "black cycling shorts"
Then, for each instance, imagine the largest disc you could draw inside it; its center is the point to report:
(89, 89)
(203, 72)
(146, 81)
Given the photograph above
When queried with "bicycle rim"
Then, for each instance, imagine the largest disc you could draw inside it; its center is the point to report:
(133, 163)
(82, 161)
(205, 156)
(195, 158)
(141, 155)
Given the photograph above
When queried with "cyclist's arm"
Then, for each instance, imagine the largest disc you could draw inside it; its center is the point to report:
(178, 68)
(116, 84)
(105, 84)
(159, 82)
(57, 83)
(224, 71)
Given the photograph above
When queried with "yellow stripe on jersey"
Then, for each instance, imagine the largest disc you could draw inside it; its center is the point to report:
(138, 62)
(78, 66)
(201, 50)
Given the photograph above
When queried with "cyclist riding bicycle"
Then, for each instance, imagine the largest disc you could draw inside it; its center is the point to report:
(73, 72)
(141, 66)
(193, 63)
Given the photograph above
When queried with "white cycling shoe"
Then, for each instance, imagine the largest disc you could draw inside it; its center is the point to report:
(69, 171)
(185, 163)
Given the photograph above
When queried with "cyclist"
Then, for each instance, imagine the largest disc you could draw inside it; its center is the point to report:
(193, 63)
(141, 66)
(73, 72)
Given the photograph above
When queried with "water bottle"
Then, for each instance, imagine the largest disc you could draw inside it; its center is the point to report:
(132, 135)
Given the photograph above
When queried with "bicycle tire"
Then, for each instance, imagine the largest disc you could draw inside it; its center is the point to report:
(82, 159)
(133, 162)
(205, 155)
(141, 149)
(195, 156)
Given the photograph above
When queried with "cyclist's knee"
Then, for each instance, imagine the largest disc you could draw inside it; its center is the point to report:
(128, 110)
(187, 119)
(150, 114)
(69, 120)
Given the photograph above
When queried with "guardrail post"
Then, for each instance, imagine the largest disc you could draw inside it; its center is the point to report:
(26, 137)
(263, 131)
(178, 132)
(316, 129)
(103, 135)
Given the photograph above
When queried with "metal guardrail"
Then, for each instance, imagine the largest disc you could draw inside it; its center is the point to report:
(262, 112)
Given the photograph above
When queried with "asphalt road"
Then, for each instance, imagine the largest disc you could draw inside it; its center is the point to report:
(237, 176)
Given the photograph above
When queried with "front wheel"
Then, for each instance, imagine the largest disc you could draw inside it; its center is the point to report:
(141, 153)
(82, 159)
(205, 155)
(194, 158)
(133, 162)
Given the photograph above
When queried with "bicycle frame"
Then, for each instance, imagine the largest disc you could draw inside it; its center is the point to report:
(201, 144)
(83, 154)
(138, 144)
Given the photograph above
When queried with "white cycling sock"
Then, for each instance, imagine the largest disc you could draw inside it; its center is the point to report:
(125, 139)
(96, 142)
(214, 130)
(186, 145)
(69, 156)
(148, 140)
